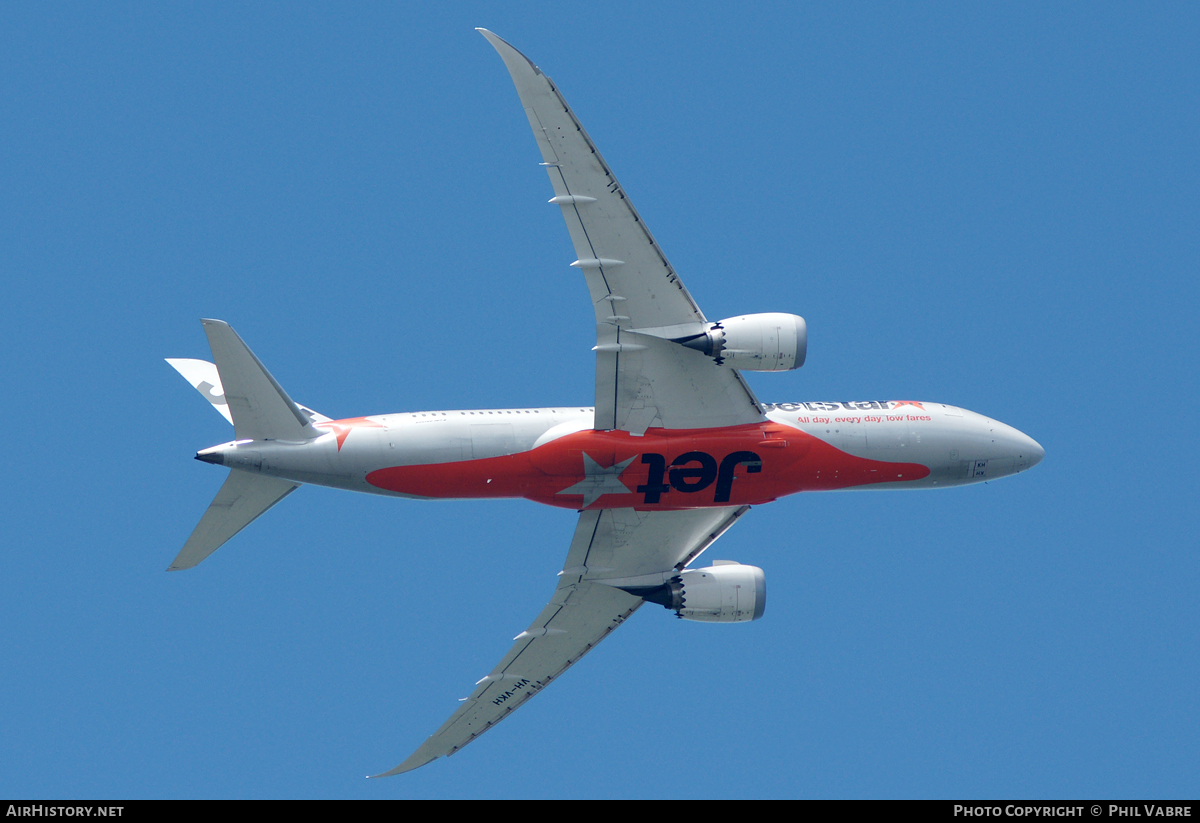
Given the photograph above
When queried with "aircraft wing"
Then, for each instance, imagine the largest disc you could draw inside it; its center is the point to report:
(609, 545)
(642, 378)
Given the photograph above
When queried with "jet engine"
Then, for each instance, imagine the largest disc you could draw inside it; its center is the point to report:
(726, 592)
(754, 342)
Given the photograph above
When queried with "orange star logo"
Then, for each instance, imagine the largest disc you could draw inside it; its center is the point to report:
(342, 428)
(900, 403)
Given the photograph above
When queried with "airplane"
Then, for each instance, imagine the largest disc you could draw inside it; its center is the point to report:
(675, 450)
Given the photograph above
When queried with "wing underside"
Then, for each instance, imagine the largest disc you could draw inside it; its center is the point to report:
(609, 545)
(644, 378)
(633, 288)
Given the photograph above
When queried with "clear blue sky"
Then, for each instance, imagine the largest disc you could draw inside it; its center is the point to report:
(995, 207)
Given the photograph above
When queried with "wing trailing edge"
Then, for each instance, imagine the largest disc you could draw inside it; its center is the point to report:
(635, 292)
(609, 546)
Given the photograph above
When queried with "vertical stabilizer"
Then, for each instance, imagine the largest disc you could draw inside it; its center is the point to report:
(239, 502)
(204, 379)
(260, 408)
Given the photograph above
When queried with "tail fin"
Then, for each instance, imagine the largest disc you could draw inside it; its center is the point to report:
(239, 502)
(241, 388)
(260, 408)
(204, 379)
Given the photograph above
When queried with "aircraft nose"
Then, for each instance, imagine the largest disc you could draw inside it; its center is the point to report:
(1029, 450)
(1038, 452)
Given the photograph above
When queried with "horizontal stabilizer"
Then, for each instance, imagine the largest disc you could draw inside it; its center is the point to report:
(238, 503)
(260, 408)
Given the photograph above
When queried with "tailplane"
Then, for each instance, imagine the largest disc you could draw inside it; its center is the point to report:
(206, 379)
(244, 392)
(259, 407)
(239, 502)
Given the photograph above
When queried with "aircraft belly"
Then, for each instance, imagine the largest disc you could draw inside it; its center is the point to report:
(661, 470)
(493, 455)
(956, 446)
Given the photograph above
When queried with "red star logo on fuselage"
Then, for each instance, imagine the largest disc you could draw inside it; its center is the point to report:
(342, 428)
(900, 403)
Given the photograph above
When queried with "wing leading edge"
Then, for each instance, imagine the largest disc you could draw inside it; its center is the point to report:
(609, 545)
(641, 305)
(643, 378)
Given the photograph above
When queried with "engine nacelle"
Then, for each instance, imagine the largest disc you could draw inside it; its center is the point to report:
(726, 592)
(755, 342)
